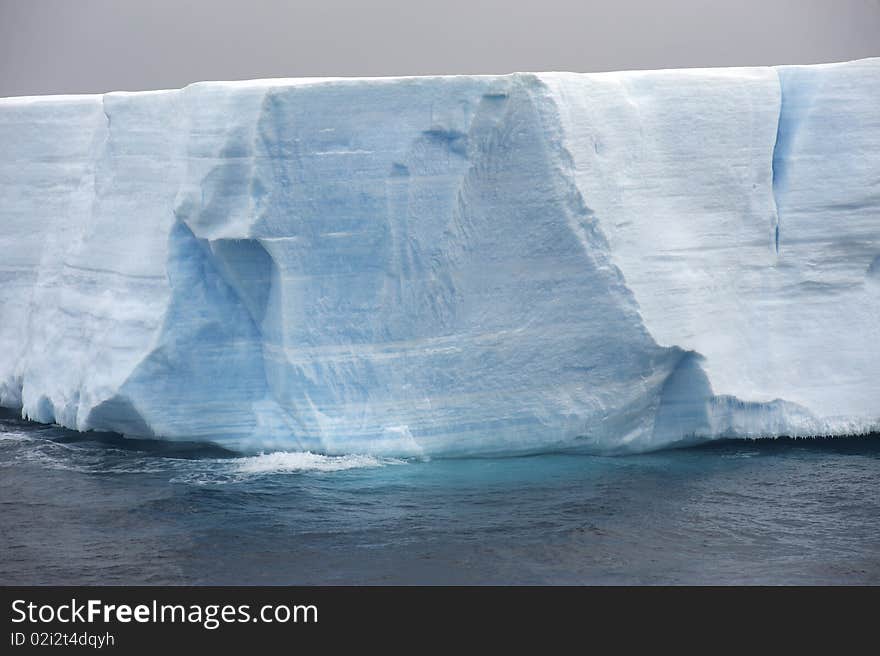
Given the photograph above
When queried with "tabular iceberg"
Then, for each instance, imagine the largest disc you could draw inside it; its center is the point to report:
(448, 265)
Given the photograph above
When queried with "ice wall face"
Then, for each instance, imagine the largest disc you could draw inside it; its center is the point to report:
(444, 266)
(757, 219)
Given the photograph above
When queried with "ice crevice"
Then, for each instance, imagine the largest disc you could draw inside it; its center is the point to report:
(778, 158)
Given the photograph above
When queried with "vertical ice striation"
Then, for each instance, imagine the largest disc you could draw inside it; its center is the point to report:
(448, 265)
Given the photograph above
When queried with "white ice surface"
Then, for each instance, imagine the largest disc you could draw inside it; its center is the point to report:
(448, 265)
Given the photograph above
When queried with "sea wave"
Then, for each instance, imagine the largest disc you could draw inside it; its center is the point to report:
(296, 461)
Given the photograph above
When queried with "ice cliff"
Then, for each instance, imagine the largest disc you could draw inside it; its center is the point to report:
(448, 265)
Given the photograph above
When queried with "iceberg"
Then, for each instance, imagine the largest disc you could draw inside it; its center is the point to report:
(448, 266)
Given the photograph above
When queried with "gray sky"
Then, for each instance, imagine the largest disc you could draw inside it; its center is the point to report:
(71, 46)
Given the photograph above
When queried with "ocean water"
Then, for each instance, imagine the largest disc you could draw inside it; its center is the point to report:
(100, 509)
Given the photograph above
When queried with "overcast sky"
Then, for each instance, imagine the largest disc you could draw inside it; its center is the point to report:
(71, 46)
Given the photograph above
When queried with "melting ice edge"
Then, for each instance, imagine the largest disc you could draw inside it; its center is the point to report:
(466, 265)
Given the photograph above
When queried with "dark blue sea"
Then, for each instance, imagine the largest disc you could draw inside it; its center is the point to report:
(100, 509)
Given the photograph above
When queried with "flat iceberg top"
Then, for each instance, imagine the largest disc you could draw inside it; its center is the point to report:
(451, 265)
(281, 82)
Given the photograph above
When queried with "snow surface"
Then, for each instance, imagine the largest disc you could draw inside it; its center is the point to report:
(448, 265)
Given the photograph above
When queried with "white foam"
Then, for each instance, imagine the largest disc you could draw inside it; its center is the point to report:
(286, 461)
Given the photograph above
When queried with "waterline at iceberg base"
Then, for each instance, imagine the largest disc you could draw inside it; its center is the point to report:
(448, 266)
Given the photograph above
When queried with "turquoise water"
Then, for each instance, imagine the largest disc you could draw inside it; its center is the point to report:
(91, 508)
